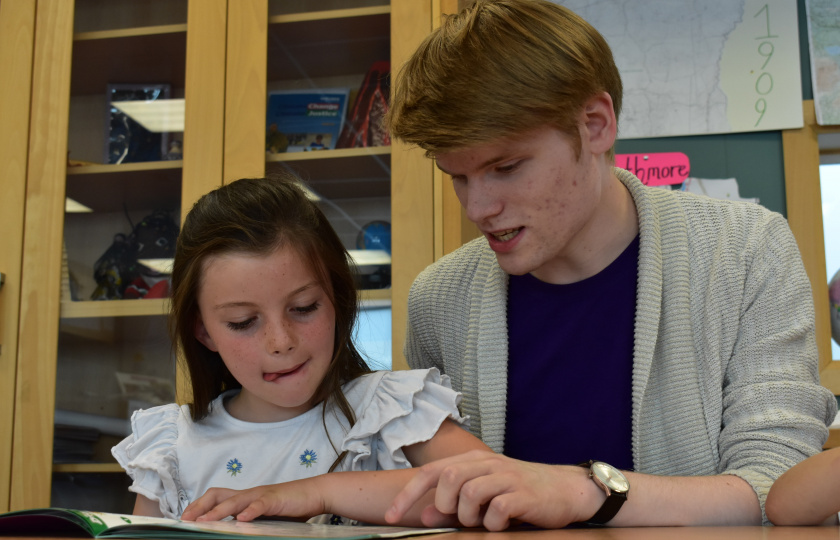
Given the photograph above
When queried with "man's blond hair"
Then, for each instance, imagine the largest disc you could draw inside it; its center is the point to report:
(497, 69)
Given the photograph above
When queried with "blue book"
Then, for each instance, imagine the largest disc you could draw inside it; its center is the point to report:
(305, 120)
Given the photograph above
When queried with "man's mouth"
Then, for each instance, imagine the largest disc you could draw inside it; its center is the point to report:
(504, 236)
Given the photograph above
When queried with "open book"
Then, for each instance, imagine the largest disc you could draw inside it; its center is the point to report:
(80, 523)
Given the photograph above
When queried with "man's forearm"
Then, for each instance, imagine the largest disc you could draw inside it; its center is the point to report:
(688, 500)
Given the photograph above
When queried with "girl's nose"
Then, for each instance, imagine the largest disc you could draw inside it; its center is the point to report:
(280, 338)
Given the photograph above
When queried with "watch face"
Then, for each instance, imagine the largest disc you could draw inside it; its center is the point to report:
(610, 477)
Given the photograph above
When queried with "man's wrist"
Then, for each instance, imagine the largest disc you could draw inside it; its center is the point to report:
(591, 496)
(614, 485)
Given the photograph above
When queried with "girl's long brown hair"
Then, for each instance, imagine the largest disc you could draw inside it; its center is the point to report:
(256, 216)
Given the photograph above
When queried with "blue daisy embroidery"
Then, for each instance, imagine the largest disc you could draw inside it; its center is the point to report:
(336, 520)
(234, 467)
(308, 457)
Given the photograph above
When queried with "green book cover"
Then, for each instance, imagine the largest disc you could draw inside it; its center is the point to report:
(62, 521)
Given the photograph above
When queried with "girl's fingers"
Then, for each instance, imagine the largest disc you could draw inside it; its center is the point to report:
(205, 503)
(234, 506)
(252, 511)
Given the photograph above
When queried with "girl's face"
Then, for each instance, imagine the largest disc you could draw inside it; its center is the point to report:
(273, 325)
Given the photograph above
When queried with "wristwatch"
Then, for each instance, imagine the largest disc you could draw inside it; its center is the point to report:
(614, 484)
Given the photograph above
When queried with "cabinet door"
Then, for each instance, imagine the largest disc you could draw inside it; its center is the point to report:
(40, 271)
(110, 167)
(300, 75)
(17, 34)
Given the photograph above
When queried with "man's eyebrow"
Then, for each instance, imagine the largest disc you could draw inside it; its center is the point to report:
(486, 163)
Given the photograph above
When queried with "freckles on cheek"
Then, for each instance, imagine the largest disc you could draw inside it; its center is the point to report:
(234, 356)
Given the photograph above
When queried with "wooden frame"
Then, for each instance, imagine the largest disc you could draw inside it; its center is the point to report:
(17, 37)
(40, 287)
(804, 211)
(245, 83)
(412, 193)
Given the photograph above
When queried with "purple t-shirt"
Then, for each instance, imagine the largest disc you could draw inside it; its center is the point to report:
(570, 364)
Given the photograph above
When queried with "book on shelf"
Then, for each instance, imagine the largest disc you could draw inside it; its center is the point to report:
(305, 120)
(82, 523)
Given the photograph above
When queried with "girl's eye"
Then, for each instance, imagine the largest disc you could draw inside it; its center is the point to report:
(307, 309)
(240, 325)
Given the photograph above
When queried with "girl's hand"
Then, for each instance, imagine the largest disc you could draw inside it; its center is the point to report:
(299, 499)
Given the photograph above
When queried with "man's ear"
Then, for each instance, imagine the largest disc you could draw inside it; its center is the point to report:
(202, 335)
(599, 123)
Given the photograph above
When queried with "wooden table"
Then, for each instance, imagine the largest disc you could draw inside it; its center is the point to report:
(644, 533)
(651, 533)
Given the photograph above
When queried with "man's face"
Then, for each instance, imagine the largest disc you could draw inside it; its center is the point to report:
(532, 198)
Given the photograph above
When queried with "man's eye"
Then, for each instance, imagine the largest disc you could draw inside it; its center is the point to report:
(241, 325)
(508, 168)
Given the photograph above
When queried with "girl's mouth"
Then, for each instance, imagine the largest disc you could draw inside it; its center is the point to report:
(271, 377)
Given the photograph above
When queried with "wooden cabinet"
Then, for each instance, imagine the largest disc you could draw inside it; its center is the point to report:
(69, 360)
(17, 40)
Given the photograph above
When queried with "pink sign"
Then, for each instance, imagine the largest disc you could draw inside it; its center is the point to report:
(656, 169)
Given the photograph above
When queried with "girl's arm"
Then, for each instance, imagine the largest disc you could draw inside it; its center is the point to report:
(143, 506)
(360, 495)
(807, 494)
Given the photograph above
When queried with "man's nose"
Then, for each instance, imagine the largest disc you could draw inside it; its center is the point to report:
(480, 201)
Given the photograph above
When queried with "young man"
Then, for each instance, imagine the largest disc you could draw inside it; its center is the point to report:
(598, 319)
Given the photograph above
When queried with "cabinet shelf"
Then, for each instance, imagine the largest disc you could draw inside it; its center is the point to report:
(87, 468)
(130, 32)
(125, 167)
(157, 306)
(339, 153)
(114, 308)
(346, 13)
(345, 172)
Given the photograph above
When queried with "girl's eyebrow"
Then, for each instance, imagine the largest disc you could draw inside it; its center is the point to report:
(310, 285)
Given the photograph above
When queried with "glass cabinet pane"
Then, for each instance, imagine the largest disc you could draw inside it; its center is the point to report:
(829, 143)
(830, 195)
(328, 83)
(123, 190)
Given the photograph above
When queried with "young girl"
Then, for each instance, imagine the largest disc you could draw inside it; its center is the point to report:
(263, 307)
(807, 493)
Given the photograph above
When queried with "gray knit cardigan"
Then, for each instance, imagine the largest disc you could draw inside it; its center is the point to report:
(725, 370)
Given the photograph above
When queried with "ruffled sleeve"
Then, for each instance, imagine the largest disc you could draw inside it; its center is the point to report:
(407, 407)
(149, 456)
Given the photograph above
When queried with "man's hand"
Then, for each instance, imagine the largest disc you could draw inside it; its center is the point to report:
(483, 488)
(299, 499)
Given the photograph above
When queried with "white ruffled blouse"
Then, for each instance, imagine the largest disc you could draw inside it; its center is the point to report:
(174, 460)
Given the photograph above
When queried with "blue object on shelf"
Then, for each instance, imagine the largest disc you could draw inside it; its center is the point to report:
(375, 235)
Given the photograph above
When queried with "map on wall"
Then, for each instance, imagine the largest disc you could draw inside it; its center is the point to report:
(693, 67)
(824, 42)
